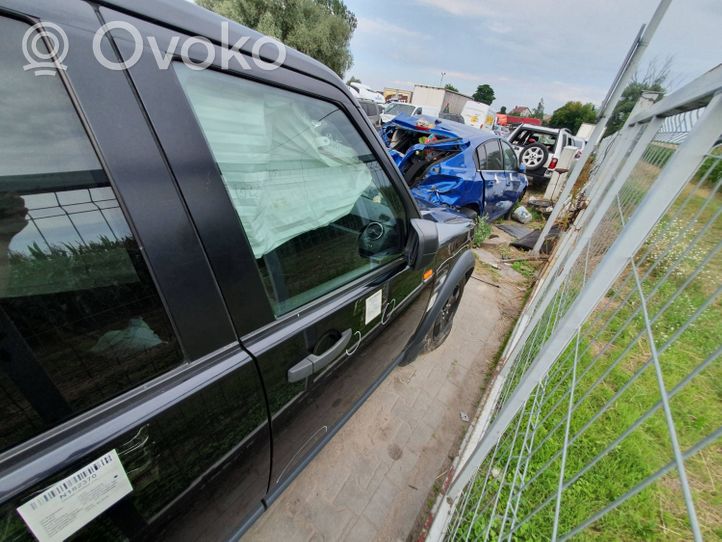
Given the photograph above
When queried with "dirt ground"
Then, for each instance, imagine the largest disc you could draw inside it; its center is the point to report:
(379, 475)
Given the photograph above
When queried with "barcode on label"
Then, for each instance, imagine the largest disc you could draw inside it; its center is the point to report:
(67, 485)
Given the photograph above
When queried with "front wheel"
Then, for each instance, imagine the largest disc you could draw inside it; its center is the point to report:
(445, 320)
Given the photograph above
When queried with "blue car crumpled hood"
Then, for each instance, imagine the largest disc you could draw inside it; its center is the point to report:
(449, 177)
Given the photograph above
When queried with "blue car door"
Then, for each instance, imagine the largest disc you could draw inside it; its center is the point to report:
(491, 166)
(516, 181)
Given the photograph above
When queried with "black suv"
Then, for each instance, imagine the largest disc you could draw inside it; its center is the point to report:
(204, 272)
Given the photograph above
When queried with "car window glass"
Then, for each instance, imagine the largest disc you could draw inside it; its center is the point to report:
(510, 161)
(80, 318)
(548, 140)
(494, 161)
(481, 156)
(317, 208)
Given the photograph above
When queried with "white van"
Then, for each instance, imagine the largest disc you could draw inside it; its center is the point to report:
(478, 115)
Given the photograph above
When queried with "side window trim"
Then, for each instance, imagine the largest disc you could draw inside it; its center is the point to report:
(481, 157)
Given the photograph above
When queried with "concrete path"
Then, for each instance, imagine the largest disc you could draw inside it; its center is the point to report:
(378, 475)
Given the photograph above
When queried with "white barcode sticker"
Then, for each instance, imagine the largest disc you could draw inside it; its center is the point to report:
(75, 501)
(373, 306)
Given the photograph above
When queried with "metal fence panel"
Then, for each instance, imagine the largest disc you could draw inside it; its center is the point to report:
(607, 411)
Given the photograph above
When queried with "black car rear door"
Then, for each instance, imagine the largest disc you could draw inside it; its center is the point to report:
(128, 409)
(305, 224)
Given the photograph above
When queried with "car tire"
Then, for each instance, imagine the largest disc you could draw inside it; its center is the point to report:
(534, 156)
(441, 328)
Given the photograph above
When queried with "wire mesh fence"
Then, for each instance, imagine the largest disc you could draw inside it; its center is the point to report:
(607, 418)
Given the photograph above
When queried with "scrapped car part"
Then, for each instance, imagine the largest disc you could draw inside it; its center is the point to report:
(527, 242)
(450, 164)
(544, 206)
(522, 215)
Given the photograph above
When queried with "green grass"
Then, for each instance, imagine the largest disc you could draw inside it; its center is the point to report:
(482, 231)
(526, 269)
(610, 356)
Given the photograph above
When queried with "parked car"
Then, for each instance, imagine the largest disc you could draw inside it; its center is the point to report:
(372, 110)
(413, 110)
(399, 108)
(365, 92)
(451, 164)
(198, 267)
(539, 148)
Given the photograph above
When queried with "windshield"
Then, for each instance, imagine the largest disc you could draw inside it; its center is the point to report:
(400, 109)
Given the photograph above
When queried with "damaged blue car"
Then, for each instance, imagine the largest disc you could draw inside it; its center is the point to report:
(451, 164)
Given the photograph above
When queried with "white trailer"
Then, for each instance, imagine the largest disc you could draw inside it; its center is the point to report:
(435, 100)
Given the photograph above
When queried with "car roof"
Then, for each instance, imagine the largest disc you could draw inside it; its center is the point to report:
(444, 127)
(195, 20)
(538, 128)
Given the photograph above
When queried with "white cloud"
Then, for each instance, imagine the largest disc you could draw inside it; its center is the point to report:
(380, 26)
(460, 7)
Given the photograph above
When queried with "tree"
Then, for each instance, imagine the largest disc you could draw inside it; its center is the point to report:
(353, 79)
(572, 114)
(538, 112)
(484, 94)
(653, 80)
(451, 87)
(502, 110)
(320, 28)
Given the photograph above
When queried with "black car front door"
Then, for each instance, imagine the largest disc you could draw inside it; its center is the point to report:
(306, 229)
(327, 230)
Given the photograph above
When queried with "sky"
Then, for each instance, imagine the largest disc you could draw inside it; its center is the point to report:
(558, 50)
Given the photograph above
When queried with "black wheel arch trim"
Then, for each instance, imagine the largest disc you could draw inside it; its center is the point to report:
(460, 271)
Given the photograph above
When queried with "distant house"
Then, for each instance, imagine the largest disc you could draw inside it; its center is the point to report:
(520, 111)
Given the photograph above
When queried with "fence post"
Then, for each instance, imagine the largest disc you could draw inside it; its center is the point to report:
(638, 49)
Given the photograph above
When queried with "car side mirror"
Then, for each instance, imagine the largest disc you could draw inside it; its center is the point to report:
(522, 168)
(424, 243)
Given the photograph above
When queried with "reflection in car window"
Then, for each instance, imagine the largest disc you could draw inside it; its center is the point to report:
(510, 161)
(80, 318)
(494, 160)
(316, 207)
